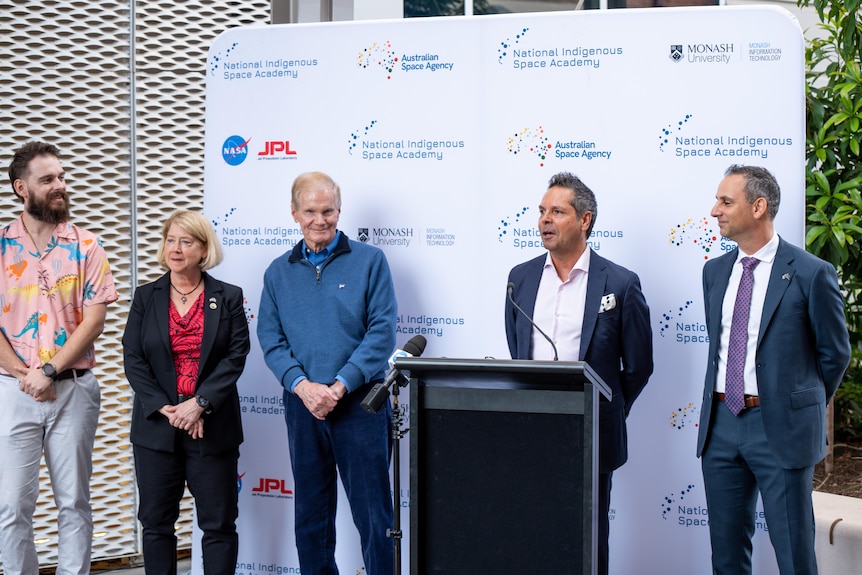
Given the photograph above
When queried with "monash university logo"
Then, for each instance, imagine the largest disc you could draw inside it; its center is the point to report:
(702, 53)
(386, 236)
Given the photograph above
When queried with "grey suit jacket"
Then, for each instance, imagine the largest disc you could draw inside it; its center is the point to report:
(802, 351)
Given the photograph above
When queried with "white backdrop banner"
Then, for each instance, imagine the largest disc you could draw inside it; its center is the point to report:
(443, 133)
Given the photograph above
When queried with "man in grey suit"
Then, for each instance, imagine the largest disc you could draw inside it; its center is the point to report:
(778, 348)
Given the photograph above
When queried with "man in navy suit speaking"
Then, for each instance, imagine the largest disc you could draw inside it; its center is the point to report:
(593, 310)
(778, 348)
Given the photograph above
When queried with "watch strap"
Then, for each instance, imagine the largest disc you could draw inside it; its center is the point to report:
(204, 403)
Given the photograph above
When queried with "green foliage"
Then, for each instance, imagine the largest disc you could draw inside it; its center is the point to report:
(848, 408)
(423, 8)
(834, 175)
(848, 404)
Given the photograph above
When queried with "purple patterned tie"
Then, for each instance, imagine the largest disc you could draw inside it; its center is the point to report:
(734, 387)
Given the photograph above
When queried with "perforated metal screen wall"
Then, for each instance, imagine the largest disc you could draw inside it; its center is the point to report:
(67, 77)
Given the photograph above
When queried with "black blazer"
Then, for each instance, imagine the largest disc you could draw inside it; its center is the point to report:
(150, 367)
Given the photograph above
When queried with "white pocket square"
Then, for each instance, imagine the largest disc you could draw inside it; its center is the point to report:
(609, 302)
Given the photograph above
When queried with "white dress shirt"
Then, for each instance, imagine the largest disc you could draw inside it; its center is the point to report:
(559, 310)
(766, 255)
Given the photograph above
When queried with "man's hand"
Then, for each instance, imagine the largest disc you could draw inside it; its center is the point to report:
(319, 398)
(38, 385)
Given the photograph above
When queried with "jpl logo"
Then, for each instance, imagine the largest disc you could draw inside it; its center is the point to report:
(271, 484)
(277, 147)
(235, 150)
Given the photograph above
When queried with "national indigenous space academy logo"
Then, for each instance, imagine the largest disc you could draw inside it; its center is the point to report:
(507, 44)
(357, 136)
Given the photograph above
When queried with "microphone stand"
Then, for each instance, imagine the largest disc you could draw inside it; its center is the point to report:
(397, 434)
(510, 292)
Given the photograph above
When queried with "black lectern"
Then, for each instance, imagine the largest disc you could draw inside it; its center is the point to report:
(503, 465)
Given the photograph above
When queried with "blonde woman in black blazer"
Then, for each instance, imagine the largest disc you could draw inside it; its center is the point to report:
(185, 346)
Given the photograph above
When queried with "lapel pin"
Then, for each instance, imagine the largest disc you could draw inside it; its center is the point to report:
(785, 277)
(213, 304)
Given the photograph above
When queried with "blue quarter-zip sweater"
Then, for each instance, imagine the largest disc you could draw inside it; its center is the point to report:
(333, 320)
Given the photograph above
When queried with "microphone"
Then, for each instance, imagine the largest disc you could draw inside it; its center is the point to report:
(380, 392)
(510, 290)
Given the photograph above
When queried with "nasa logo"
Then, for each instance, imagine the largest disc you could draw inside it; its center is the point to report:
(235, 150)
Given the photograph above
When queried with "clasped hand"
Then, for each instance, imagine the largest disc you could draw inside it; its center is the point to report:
(319, 398)
(186, 416)
(38, 385)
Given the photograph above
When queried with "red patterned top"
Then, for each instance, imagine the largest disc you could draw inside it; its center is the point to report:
(187, 334)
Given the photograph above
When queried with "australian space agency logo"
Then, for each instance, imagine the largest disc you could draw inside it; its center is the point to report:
(235, 150)
(530, 141)
(362, 234)
(676, 52)
(698, 232)
(685, 416)
(379, 55)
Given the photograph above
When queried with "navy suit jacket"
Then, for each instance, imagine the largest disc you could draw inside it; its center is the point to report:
(616, 343)
(150, 369)
(802, 351)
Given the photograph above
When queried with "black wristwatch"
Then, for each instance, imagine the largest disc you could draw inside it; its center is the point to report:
(48, 370)
(204, 402)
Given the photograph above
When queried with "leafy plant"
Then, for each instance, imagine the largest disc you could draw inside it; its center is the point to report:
(834, 174)
(424, 8)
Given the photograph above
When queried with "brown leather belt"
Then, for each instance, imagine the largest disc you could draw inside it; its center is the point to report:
(750, 400)
(71, 373)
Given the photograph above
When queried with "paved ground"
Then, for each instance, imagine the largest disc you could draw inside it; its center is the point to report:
(184, 567)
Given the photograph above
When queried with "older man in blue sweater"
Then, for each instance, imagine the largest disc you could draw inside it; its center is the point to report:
(327, 326)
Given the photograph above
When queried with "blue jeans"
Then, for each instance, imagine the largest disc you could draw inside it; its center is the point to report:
(358, 445)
